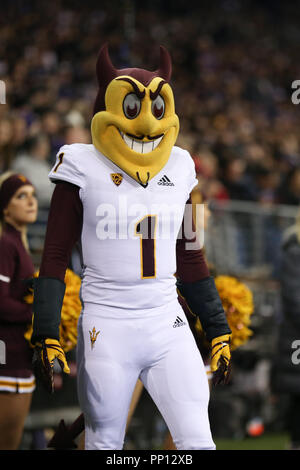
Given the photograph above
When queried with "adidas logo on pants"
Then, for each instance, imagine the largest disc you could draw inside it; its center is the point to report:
(178, 322)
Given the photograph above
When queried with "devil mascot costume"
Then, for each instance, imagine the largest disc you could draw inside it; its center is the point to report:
(124, 198)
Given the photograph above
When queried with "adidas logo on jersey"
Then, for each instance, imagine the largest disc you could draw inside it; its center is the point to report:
(178, 322)
(164, 181)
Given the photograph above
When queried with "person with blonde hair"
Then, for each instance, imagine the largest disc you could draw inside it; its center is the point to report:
(18, 208)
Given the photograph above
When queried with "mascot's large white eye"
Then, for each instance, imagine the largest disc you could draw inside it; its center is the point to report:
(131, 106)
(158, 107)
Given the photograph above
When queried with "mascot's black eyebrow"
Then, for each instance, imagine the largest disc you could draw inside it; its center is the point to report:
(154, 94)
(139, 93)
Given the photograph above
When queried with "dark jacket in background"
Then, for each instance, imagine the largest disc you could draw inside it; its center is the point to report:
(286, 372)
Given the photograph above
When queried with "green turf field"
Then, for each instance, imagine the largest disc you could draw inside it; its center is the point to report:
(264, 442)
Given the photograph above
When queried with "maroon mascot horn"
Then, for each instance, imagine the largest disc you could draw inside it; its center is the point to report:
(106, 72)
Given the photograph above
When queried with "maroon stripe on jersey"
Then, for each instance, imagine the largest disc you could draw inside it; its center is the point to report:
(148, 258)
(146, 230)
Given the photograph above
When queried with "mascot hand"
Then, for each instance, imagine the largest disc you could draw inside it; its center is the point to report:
(220, 359)
(45, 352)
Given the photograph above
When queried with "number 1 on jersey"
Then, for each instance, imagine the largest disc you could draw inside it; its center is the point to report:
(145, 229)
(60, 158)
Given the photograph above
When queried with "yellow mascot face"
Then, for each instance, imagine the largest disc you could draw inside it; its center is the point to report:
(138, 126)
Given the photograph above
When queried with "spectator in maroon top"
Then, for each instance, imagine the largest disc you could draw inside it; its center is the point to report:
(18, 208)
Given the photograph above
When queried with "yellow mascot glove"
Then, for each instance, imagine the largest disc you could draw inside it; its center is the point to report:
(45, 353)
(220, 359)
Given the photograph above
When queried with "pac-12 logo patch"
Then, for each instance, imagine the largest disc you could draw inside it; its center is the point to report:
(93, 337)
(117, 178)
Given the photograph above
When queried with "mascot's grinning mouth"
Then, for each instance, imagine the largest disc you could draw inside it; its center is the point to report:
(140, 146)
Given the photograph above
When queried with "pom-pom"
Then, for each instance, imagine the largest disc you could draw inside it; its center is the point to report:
(237, 300)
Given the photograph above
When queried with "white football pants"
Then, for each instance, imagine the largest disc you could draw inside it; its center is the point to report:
(112, 353)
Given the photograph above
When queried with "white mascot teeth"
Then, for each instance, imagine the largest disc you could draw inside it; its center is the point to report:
(139, 146)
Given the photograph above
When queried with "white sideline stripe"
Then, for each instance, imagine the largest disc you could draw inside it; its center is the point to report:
(8, 388)
(4, 278)
(13, 388)
(26, 389)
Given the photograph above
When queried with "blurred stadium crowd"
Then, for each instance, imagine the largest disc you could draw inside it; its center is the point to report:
(234, 63)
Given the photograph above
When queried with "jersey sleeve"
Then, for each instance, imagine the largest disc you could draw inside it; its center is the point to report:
(68, 167)
(63, 230)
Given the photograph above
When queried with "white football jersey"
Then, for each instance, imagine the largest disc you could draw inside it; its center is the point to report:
(129, 231)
